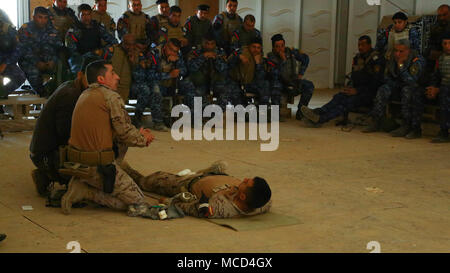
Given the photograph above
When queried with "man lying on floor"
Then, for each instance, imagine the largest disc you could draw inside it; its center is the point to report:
(209, 193)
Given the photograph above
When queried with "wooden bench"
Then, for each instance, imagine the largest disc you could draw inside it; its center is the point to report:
(20, 106)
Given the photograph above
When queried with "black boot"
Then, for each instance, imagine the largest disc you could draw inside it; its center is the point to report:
(414, 134)
(442, 137)
(402, 131)
(374, 126)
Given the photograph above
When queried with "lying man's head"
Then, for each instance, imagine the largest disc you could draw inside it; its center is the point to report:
(255, 192)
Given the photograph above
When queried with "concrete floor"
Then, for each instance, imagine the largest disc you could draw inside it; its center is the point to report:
(319, 176)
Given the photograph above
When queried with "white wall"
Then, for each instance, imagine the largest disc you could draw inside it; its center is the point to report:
(318, 40)
(363, 20)
(281, 16)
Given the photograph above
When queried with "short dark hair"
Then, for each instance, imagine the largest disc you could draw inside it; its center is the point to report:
(277, 37)
(87, 61)
(367, 38)
(175, 9)
(84, 7)
(231, 1)
(40, 10)
(249, 17)
(400, 15)
(175, 42)
(95, 69)
(96, 1)
(259, 194)
(445, 36)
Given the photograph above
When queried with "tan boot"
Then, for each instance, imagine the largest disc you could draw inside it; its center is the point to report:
(217, 167)
(77, 191)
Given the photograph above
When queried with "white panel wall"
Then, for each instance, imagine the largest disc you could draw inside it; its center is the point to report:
(318, 40)
(281, 16)
(389, 7)
(251, 7)
(363, 20)
(429, 6)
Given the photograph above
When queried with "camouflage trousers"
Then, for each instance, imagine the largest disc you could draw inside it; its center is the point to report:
(162, 183)
(35, 76)
(147, 96)
(228, 92)
(342, 104)
(265, 95)
(126, 191)
(411, 98)
(16, 77)
(304, 88)
(444, 103)
(187, 89)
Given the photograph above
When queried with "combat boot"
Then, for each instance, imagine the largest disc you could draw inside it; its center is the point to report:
(310, 124)
(442, 137)
(402, 131)
(374, 126)
(77, 191)
(310, 114)
(218, 167)
(41, 182)
(299, 115)
(414, 134)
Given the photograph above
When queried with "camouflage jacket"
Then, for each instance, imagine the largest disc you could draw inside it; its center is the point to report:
(8, 33)
(241, 37)
(123, 27)
(410, 73)
(287, 71)
(123, 131)
(221, 205)
(81, 39)
(157, 57)
(38, 44)
(207, 70)
(106, 20)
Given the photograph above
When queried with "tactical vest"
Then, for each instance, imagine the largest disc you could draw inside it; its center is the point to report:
(61, 23)
(104, 19)
(245, 37)
(444, 69)
(229, 26)
(361, 63)
(163, 21)
(395, 37)
(174, 32)
(198, 29)
(122, 67)
(165, 67)
(136, 25)
(244, 73)
(89, 40)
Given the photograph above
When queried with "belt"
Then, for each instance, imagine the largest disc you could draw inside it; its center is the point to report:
(90, 158)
